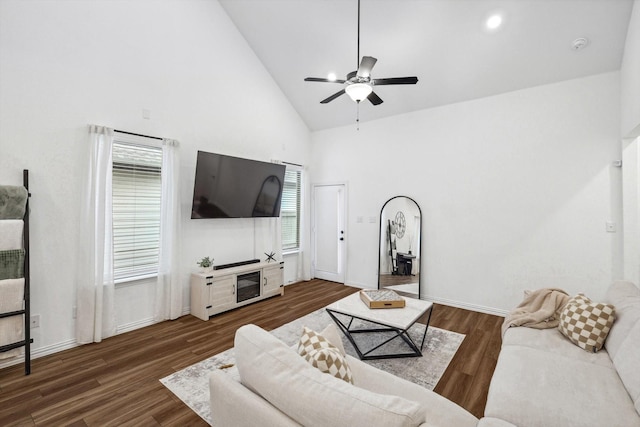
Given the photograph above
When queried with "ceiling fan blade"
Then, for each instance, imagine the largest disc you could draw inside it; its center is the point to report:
(374, 99)
(367, 63)
(318, 79)
(332, 97)
(396, 81)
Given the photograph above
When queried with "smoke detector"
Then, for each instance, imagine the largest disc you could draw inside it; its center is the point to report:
(579, 43)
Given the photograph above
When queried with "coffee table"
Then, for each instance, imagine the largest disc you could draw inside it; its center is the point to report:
(396, 321)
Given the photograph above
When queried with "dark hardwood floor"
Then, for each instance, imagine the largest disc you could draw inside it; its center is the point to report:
(116, 382)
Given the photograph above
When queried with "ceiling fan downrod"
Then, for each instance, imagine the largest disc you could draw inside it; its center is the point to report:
(358, 50)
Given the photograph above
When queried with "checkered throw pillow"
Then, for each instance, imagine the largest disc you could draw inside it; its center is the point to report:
(586, 323)
(318, 351)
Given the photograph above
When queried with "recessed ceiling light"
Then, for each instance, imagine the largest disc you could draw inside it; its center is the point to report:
(493, 22)
(332, 77)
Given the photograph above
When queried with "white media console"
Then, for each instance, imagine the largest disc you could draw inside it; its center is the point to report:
(225, 289)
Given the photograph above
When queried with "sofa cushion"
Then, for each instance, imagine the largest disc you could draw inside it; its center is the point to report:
(441, 412)
(322, 354)
(537, 388)
(274, 371)
(623, 343)
(552, 341)
(586, 323)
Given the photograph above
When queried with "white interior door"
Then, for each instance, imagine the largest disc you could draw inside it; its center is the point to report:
(329, 234)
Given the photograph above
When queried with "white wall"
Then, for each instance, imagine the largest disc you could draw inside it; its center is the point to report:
(630, 130)
(65, 64)
(630, 76)
(514, 189)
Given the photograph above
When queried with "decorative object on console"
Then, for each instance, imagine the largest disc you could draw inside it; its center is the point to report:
(206, 264)
(586, 323)
(270, 256)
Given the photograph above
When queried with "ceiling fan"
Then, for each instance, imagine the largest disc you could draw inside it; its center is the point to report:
(359, 84)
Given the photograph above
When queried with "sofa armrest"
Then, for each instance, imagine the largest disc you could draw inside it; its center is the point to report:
(440, 411)
(232, 404)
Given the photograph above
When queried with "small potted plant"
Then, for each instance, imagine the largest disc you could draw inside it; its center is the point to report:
(206, 264)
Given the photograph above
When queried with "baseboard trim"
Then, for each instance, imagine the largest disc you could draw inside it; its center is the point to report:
(41, 352)
(69, 344)
(468, 306)
(132, 326)
(360, 285)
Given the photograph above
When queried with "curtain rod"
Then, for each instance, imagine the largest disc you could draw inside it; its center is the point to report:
(138, 134)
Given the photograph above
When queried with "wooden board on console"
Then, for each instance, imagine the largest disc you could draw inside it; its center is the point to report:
(219, 290)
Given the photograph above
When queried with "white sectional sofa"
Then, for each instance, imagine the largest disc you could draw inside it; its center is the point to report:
(541, 380)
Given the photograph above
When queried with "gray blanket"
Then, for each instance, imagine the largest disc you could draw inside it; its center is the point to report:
(13, 201)
(12, 264)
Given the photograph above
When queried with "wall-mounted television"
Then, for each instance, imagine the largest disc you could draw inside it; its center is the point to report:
(232, 187)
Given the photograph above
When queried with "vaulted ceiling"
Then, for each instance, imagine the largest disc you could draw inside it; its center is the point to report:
(445, 43)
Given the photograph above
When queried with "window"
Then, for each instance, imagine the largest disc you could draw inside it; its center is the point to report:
(136, 210)
(290, 208)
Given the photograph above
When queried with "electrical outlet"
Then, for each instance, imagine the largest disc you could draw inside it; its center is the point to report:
(35, 321)
(75, 312)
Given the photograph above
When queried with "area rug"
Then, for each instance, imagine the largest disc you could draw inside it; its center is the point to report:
(191, 384)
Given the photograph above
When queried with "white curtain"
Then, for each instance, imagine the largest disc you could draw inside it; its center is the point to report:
(95, 288)
(168, 301)
(304, 253)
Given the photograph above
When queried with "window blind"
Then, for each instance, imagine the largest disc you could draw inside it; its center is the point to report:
(290, 209)
(136, 209)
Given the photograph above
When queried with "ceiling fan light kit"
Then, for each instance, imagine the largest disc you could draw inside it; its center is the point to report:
(358, 91)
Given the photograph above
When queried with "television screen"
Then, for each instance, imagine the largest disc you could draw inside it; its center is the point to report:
(231, 187)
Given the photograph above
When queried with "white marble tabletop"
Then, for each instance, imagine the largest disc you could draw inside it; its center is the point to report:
(401, 318)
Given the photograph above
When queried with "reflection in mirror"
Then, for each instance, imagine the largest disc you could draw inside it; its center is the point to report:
(400, 244)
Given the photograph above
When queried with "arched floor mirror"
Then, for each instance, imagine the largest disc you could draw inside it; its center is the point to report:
(400, 244)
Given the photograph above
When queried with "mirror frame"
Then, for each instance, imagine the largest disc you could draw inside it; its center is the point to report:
(420, 245)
